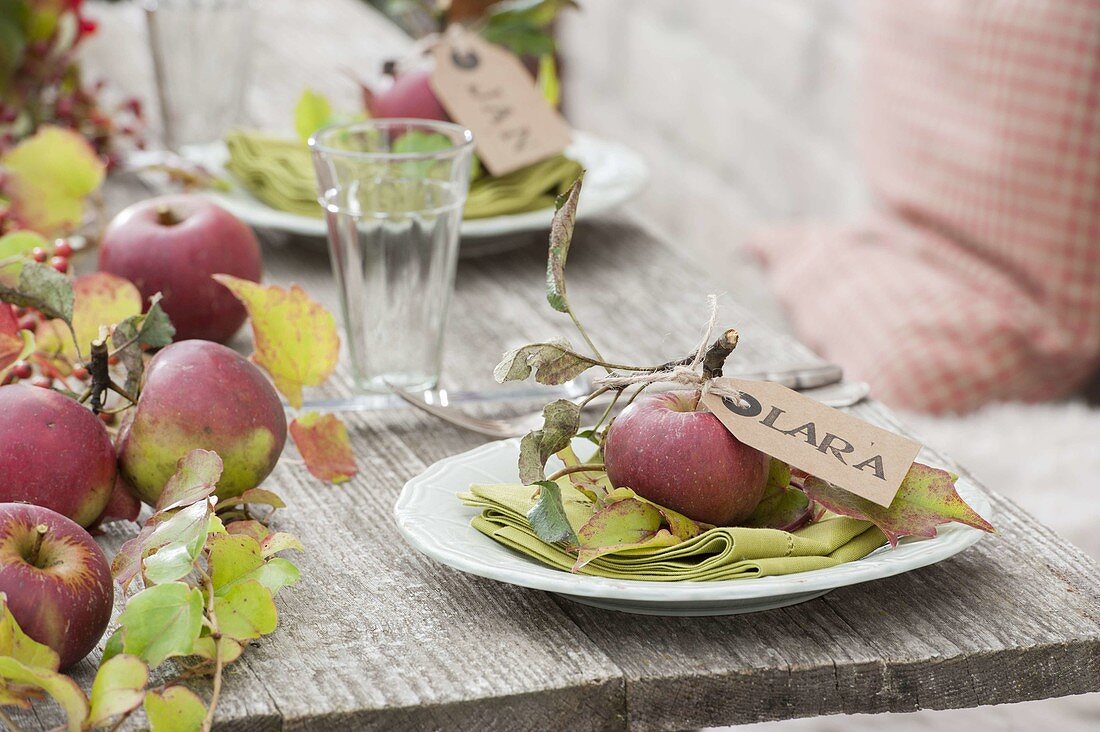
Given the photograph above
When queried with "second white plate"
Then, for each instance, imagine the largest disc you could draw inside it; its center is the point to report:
(615, 175)
(432, 520)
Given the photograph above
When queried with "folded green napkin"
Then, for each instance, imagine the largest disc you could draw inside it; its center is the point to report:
(279, 172)
(722, 553)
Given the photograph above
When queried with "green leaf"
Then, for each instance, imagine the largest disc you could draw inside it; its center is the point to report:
(548, 79)
(59, 686)
(260, 497)
(231, 650)
(21, 244)
(245, 611)
(112, 647)
(196, 477)
(926, 499)
(176, 709)
(47, 177)
(232, 557)
(560, 421)
(168, 564)
(418, 141)
(162, 621)
(16, 644)
(152, 329)
(278, 542)
(547, 517)
(155, 328)
(42, 288)
(119, 686)
(785, 509)
(275, 574)
(311, 113)
(561, 235)
(554, 363)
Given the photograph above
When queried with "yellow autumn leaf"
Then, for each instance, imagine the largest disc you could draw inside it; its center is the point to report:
(294, 337)
(48, 176)
(99, 299)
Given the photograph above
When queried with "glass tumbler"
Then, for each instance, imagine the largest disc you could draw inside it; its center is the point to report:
(393, 192)
(202, 53)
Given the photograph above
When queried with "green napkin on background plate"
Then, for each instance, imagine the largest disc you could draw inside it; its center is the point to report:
(279, 172)
(722, 553)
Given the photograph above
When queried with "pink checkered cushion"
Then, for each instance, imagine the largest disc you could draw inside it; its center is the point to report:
(979, 277)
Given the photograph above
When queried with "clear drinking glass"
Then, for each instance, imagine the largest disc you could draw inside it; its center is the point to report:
(202, 53)
(393, 192)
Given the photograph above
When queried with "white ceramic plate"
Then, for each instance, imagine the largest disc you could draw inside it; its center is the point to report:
(433, 520)
(615, 175)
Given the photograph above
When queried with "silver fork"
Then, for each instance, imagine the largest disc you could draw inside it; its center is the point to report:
(841, 394)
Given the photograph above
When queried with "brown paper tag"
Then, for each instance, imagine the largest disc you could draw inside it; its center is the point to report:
(485, 88)
(844, 450)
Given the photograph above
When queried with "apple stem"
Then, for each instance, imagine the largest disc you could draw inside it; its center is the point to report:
(40, 532)
(166, 216)
(582, 468)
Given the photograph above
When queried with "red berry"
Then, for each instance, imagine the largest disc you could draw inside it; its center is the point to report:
(22, 370)
(28, 322)
(62, 248)
(107, 419)
(43, 381)
(39, 254)
(79, 372)
(60, 264)
(113, 361)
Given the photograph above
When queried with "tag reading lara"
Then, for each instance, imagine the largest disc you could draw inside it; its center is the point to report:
(844, 450)
(485, 88)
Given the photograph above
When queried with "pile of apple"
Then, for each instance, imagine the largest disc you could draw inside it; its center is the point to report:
(60, 470)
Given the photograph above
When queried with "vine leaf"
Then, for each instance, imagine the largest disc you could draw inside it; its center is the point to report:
(40, 287)
(15, 344)
(231, 650)
(47, 177)
(59, 686)
(561, 235)
(14, 643)
(152, 329)
(280, 541)
(554, 363)
(782, 507)
(196, 476)
(295, 338)
(547, 517)
(312, 112)
(119, 686)
(162, 621)
(323, 443)
(176, 709)
(560, 421)
(231, 558)
(245, 611)
(621, 525)
(926, 499)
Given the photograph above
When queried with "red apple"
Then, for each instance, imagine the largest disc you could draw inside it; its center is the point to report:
(172, 245)
(410, 95)
(123, 505)
(199, 394)
(56, 578)
(54, 453)
(684, 459)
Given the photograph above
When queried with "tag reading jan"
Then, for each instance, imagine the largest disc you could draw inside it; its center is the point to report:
(844, 450)
(487, 89)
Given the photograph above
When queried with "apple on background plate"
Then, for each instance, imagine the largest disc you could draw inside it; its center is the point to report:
(55, 453)
(668, 452)
(56, 578)
(172, 245)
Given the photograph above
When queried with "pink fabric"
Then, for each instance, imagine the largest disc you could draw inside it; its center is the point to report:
(979, 278)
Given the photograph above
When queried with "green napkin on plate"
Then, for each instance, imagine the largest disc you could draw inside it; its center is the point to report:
(717, 554)
(279, 172)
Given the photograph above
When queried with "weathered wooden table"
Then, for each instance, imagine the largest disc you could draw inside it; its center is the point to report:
(376, 636)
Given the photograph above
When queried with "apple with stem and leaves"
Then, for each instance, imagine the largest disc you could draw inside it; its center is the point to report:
(56, 578)
(199, 394)
(668, 450)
